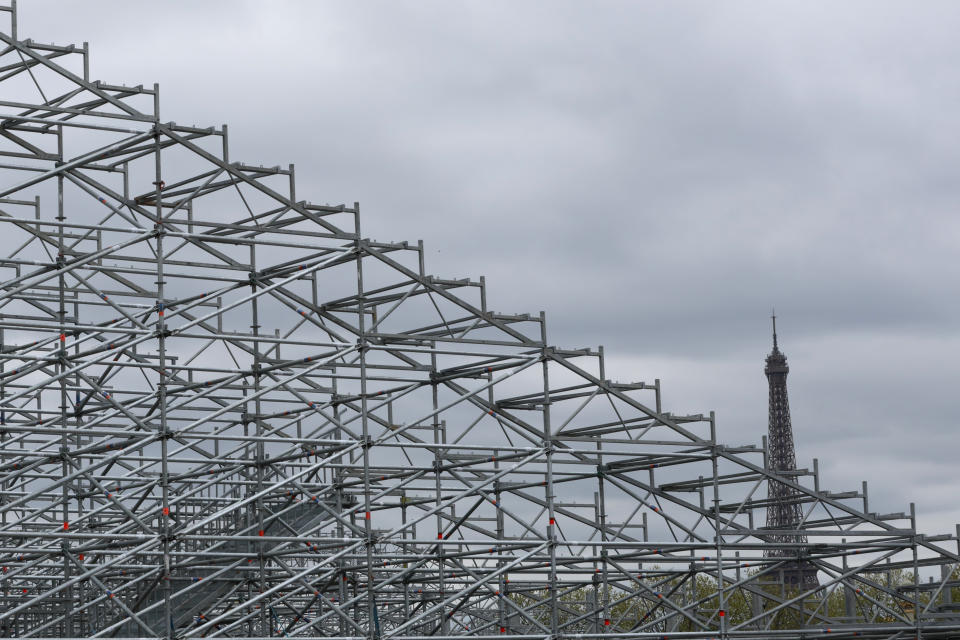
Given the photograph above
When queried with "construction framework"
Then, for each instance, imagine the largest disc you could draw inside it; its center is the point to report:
(227, 413)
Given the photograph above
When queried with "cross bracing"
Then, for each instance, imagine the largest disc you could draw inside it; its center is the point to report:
(227, 412)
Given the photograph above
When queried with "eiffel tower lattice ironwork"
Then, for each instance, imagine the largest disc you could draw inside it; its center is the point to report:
(783, 511)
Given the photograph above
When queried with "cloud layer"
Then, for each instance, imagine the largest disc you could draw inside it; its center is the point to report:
(655, 175)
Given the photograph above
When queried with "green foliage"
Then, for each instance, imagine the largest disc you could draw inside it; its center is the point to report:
(686, 601)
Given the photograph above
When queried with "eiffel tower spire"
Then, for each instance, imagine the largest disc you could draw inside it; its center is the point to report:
(783, 510)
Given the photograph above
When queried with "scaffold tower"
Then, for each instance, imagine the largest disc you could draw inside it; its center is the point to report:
(226, 412)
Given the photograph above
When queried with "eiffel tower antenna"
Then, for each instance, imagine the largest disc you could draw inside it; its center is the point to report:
(773, 316)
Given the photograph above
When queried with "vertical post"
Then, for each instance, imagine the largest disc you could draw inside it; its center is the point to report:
(601, 501)
(849, 599)
(916, 572)
(86, 62)
(62, 366)
(656, 384)
(721, 587)
(260, 458)
(502, 614)
(372, 632)
(437, 471)
(549, 497)
(164, 515)
(405, 549)
(338, 478)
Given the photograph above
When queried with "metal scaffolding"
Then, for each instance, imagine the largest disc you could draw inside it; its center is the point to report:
(226, 412)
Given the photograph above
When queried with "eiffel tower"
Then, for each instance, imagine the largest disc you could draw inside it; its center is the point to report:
(783, 510)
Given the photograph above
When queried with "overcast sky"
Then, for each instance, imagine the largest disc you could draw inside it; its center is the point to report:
(654, 175)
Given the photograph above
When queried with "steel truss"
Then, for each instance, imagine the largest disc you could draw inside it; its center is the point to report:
(226, 412)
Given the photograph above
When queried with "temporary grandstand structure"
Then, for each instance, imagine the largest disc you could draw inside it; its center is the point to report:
(226, 412)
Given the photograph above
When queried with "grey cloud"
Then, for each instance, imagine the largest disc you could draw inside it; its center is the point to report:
(655, 175)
